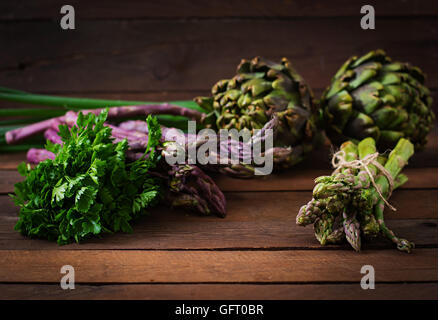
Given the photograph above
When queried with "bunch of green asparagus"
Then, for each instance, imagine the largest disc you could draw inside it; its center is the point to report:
(349, 204)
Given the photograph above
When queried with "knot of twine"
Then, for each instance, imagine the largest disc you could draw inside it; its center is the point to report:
(339, 162)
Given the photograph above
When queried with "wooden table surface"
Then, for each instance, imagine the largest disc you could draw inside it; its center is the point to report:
(147, 51)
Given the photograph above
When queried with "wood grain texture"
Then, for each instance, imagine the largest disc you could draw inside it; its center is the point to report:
(113, 9)
(136, 55)
(10, 161)
(386, 291)
(298, 266)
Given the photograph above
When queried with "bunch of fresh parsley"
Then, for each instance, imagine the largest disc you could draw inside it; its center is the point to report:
(89, 188)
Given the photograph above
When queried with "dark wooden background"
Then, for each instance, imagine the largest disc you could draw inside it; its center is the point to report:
(175, 49)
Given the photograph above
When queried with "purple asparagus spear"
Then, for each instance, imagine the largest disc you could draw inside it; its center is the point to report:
(36, 156)
(52, 135)
(20, 134)
(191, 188)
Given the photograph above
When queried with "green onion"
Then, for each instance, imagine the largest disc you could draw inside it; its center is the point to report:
(79, 103)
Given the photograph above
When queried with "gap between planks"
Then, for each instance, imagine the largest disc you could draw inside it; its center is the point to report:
(424, 291)
(292, 180)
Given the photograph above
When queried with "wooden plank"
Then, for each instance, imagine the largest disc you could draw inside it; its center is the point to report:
(298, 266)
(139, 55)
(10, 161)
(291, 180)
(386, 291)
(255, 220)
(295, 179)
(246, 206)
(181, 235)
(319, 159)
(49, 9)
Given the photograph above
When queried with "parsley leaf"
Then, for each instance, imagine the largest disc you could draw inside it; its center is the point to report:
(89, 188)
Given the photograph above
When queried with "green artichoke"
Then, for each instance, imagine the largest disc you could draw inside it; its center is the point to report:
(372, 96)
(260, 90)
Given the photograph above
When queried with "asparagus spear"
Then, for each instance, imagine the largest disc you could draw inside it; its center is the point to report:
(191, 188)
(351, 229)
(397, 159)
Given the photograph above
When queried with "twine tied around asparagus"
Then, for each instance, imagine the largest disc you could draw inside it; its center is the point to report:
(339, 162)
